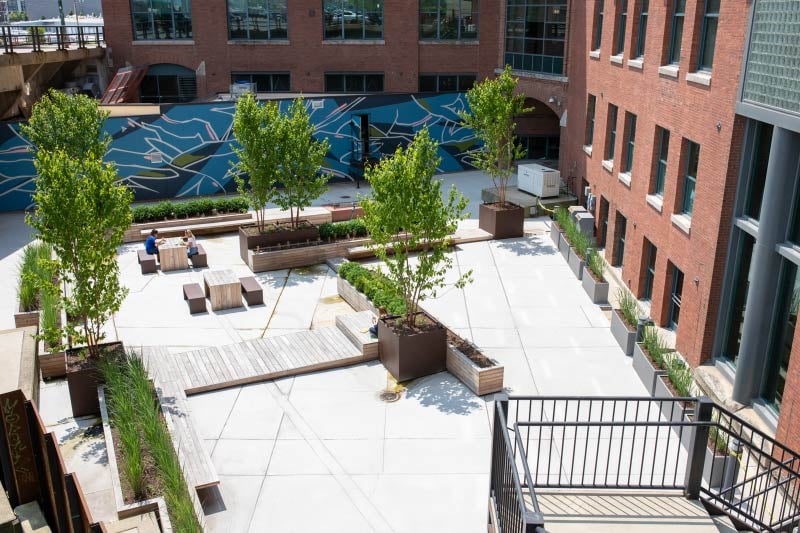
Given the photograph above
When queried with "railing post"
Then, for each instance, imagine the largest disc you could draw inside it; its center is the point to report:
(697, 451)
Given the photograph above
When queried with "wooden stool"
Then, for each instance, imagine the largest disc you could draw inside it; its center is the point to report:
(147, 262)
(193, 293)
(201, 259)
(253, 293)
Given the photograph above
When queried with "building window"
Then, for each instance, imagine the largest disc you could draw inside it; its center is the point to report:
(257, 20)
(448, 19)
(166, 83)
(621, 228)
(630, 136)
(649, 270)
(158, 20)
(676, 36)
(446, 83)
(604, 207)
(590, 106)
(621, 27)
(744, 255)
(781, 345)
(540, 146)
(661, 161)
(612, 131)
(641, 38)
(598, 24)
(675, 296)
(266, 82)
(758, 170)
(535, 35)
(353, 83)
(690, 179)
(708, 38)
(353, 19)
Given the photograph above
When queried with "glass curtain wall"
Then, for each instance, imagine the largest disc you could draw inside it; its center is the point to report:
(155, 20)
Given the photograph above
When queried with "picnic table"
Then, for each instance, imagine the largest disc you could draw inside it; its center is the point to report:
(172, 255)
(223, 288)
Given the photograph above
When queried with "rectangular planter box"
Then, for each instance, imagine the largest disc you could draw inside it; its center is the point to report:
(83, 383)
(501, 223)
(575, 264)
(645, 370)
(351, 295)
(25, 319)
(408, 357)
(555, 233)
(281, 236)
(564, 248)
(624, 337)
(479, 380)
(715, 466)
(673, 411)
(597, 290)
(301, 255)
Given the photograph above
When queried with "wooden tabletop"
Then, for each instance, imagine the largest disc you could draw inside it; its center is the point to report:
(219, 277)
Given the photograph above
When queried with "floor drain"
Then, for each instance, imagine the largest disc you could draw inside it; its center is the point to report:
(389, 396)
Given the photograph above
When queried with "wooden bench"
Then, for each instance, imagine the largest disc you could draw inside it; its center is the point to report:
(355, 327)
(251, 288)
(201, 259)
(193, 293)
(147, 262)
(206, 228)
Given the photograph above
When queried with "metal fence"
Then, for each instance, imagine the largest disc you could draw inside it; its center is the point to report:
(689, 444)
(39, 38)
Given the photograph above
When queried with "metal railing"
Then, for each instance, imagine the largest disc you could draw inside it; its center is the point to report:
(689, 444)
(38, 38)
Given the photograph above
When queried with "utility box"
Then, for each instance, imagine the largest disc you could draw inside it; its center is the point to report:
(585, 222)
(538, 180)
(574, 210)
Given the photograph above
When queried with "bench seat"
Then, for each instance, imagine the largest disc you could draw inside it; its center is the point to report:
(193, 293)
(201, 259)
(252, 290)
(205, 228)
(147, 262)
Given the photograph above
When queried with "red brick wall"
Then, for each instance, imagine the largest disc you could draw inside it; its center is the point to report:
(789, 421)
(689, 111)
(307, 56)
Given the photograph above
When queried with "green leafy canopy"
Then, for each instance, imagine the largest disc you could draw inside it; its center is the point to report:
(406, 212)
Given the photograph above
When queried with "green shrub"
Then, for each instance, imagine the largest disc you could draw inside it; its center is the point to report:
(35, 269)
(655, 346)
(202, 207)
(51, 319)
(628, 307)
(596, 264)
(162, 210)
(143, 213)
(192, 208)
(181, 210)
(374, 285)
(341, 230)
(680, 374)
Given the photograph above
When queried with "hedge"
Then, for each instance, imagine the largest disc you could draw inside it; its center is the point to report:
(192, 208)
(375, 286)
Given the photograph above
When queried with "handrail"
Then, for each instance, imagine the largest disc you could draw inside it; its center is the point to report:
(37, 37)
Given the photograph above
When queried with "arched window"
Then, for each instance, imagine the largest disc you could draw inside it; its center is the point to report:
(168, 83)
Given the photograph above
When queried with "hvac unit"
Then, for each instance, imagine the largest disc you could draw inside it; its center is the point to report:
(539, 180)
(240, 89)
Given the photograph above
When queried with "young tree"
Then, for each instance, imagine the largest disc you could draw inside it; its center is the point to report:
(493, 107)
(257, 129)
(73, 124)
(405, 213)
(83, 212)
(301, 158)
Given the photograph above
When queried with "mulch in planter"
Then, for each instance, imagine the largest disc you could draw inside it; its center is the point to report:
(497, 206)
(469, 349)
(424, 323)
(76, 362)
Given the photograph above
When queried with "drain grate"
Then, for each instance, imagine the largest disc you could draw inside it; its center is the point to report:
(389, 396)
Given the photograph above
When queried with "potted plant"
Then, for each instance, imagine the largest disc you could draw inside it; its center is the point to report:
(624, 320)
(276, 148)
(573, 244)
(556, 230)
(648, 358)
(404, 213)
(492, 109)
(34, 269)
(593, 280)
(82, 212)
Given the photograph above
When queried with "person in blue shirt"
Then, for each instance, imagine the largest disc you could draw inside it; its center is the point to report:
(152, 242)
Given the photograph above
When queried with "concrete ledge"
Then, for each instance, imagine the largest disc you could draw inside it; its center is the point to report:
(637, 64)
(380, 42)
(608, 164)
(655, 201)
(682, 222)
(164, 42)
(670, 71)
(595, 54)
(617, 59)
(281, 42)
(625, 178)
(587, 148)
(700, 78)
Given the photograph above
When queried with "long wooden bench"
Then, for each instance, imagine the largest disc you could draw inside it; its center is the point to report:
(355, 326)
(206, 228)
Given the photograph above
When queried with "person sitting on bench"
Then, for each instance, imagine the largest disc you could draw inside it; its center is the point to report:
(373, 330)
(191, 243)
(152, 243)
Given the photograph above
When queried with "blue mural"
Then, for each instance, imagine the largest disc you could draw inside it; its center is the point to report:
(186, 151)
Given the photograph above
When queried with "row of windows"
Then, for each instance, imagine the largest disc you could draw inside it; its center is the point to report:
(671, 52)
(264, 20)
(266, 82)
(535, 35)
(690, 154)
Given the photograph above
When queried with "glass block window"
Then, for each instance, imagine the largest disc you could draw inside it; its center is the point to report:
(641, 38)
(266, 82)
(708, 38)
(535, 35)
(622, 27)
(676, 35)
(353, 19)
(353, 83)
(257, 20)
(448, 19)
(661, 162)
(446, 83)
(690, 179)
(771, 74)
(155, 20)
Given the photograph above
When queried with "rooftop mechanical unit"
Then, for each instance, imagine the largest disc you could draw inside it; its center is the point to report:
(539, 180)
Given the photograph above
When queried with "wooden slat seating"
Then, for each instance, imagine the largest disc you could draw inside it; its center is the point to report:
(461, 236)
(194, 295)
(252, 290)
(206, 228)
(356, 327)
(200, 259)
(147, 262)
(195, 462)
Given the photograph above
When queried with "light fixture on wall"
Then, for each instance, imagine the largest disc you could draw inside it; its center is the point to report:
(554, 100)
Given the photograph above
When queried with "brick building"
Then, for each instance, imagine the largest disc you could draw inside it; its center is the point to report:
(683, 120)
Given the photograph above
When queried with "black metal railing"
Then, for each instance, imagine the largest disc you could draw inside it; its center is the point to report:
(39, 38)
(688, 444)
